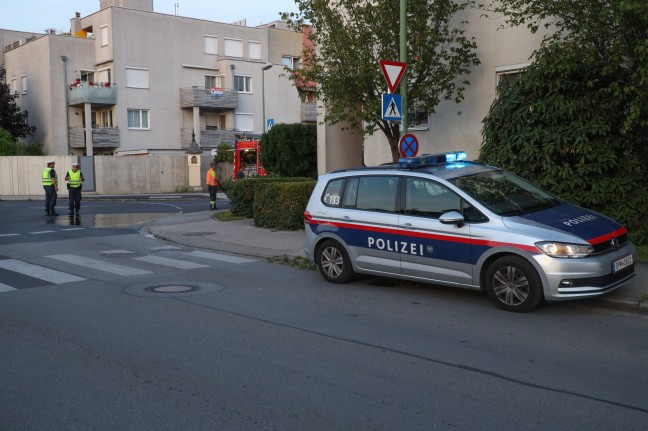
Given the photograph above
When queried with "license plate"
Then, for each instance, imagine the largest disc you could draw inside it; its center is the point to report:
(624, 262)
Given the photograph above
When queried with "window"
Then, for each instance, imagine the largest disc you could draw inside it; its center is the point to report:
(376, 193)
(234, 48)
(14, 86)
(23, 83)
(245, 122)
(211, 45)
(104, 76)
(212, 81)
(138, 119)
(507, 75)
(104, 35)
(428, 198)
(332, 193)
(254, 50)
(137, 77)
(290, 62)
(417, 119)
(242, 84)
(87, 75)
(106, 119)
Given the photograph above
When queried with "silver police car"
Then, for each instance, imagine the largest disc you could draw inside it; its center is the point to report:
(442, 219)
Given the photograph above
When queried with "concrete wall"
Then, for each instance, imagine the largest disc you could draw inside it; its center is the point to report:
(21, 176)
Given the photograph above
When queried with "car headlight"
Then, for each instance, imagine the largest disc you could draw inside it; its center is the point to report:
(562, 249)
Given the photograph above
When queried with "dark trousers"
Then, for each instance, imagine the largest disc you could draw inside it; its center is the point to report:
(74, 198)
(212, 194)
(50, 198)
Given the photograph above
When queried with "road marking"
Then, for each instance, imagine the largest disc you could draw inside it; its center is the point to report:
(98, 265)
(36, 271)
(165, 247)
(221, 257)
(9, 234)
(73, 228)
(117, 252)
(174, 263)
(5, 288)
(42, 231)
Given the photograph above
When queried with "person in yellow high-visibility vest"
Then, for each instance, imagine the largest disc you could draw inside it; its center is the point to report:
(75, 180)
(50, 184)
(212, 184)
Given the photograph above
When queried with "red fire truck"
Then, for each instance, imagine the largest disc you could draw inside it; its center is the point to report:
(246, 154)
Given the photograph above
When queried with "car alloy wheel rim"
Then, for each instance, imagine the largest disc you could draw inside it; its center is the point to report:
(332, 262)
(511, 286)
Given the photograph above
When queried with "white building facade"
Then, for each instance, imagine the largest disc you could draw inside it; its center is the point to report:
(130, 81)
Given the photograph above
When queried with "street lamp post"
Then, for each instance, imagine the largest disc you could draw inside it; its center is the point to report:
(263, 69)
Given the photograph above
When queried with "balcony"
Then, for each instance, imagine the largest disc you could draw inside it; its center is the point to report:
(208, 138)
(309, 112)
(205, 98)
(100, 94)
(102, 137)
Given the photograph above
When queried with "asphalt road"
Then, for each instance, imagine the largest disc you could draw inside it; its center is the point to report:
(159, 337)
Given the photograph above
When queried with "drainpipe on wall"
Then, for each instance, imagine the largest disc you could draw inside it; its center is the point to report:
(67, 105)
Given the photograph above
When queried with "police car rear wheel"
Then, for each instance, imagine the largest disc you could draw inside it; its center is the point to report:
(513, 284)
(333, 262)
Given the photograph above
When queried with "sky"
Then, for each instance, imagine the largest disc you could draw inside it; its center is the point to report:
(37, 15)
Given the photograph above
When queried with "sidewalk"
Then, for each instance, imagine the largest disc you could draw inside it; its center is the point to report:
(241, 237)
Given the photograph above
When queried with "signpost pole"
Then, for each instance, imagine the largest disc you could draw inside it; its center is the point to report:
(403, 59)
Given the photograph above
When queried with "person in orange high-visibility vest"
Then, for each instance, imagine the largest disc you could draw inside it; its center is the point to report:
(212, 184)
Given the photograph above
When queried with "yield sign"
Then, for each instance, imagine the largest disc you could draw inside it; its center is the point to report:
(393, 71)
(408, 145)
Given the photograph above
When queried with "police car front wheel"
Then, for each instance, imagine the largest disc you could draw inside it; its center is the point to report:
(333, 262)
(513, 284)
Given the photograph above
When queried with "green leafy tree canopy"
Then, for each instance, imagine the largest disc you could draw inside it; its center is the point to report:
(12, 118)
(290, 150)
(574, 121)
(352, 36)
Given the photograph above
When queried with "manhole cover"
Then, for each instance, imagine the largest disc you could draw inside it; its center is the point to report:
(172, 289)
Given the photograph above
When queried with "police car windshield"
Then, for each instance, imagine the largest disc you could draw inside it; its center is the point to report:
(504, 193)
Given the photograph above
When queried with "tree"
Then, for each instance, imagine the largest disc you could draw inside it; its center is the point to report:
(613, 31)
(352, 36)
(12, 119)
(575, 121)
(290, 150)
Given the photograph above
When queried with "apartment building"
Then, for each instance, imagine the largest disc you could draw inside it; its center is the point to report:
(130, 81)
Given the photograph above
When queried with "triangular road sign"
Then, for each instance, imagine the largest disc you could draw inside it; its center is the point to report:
(393, 71)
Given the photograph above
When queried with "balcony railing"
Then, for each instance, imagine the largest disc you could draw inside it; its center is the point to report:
(208, 138)
(208, 98)
(102, 137)
(96, 94)
(309, 112)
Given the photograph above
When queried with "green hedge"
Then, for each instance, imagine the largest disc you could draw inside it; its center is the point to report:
(243, 194)
(281, 205)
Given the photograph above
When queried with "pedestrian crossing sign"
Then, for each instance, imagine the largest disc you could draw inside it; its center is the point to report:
(392, 105)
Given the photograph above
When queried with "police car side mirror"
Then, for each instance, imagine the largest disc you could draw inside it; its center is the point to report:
(452, 217)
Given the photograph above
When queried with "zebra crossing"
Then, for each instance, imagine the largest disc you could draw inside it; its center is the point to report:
(16, 274)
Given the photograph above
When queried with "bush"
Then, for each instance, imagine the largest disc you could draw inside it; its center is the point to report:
(245, 193)
(281, 205)
(290, 150)
(562, 126)
(9, 147)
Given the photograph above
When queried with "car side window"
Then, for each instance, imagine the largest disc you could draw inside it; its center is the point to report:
(376, 193)
(332, 193)
(429, 199)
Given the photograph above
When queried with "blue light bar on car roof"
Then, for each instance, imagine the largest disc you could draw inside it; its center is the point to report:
(432, 159)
